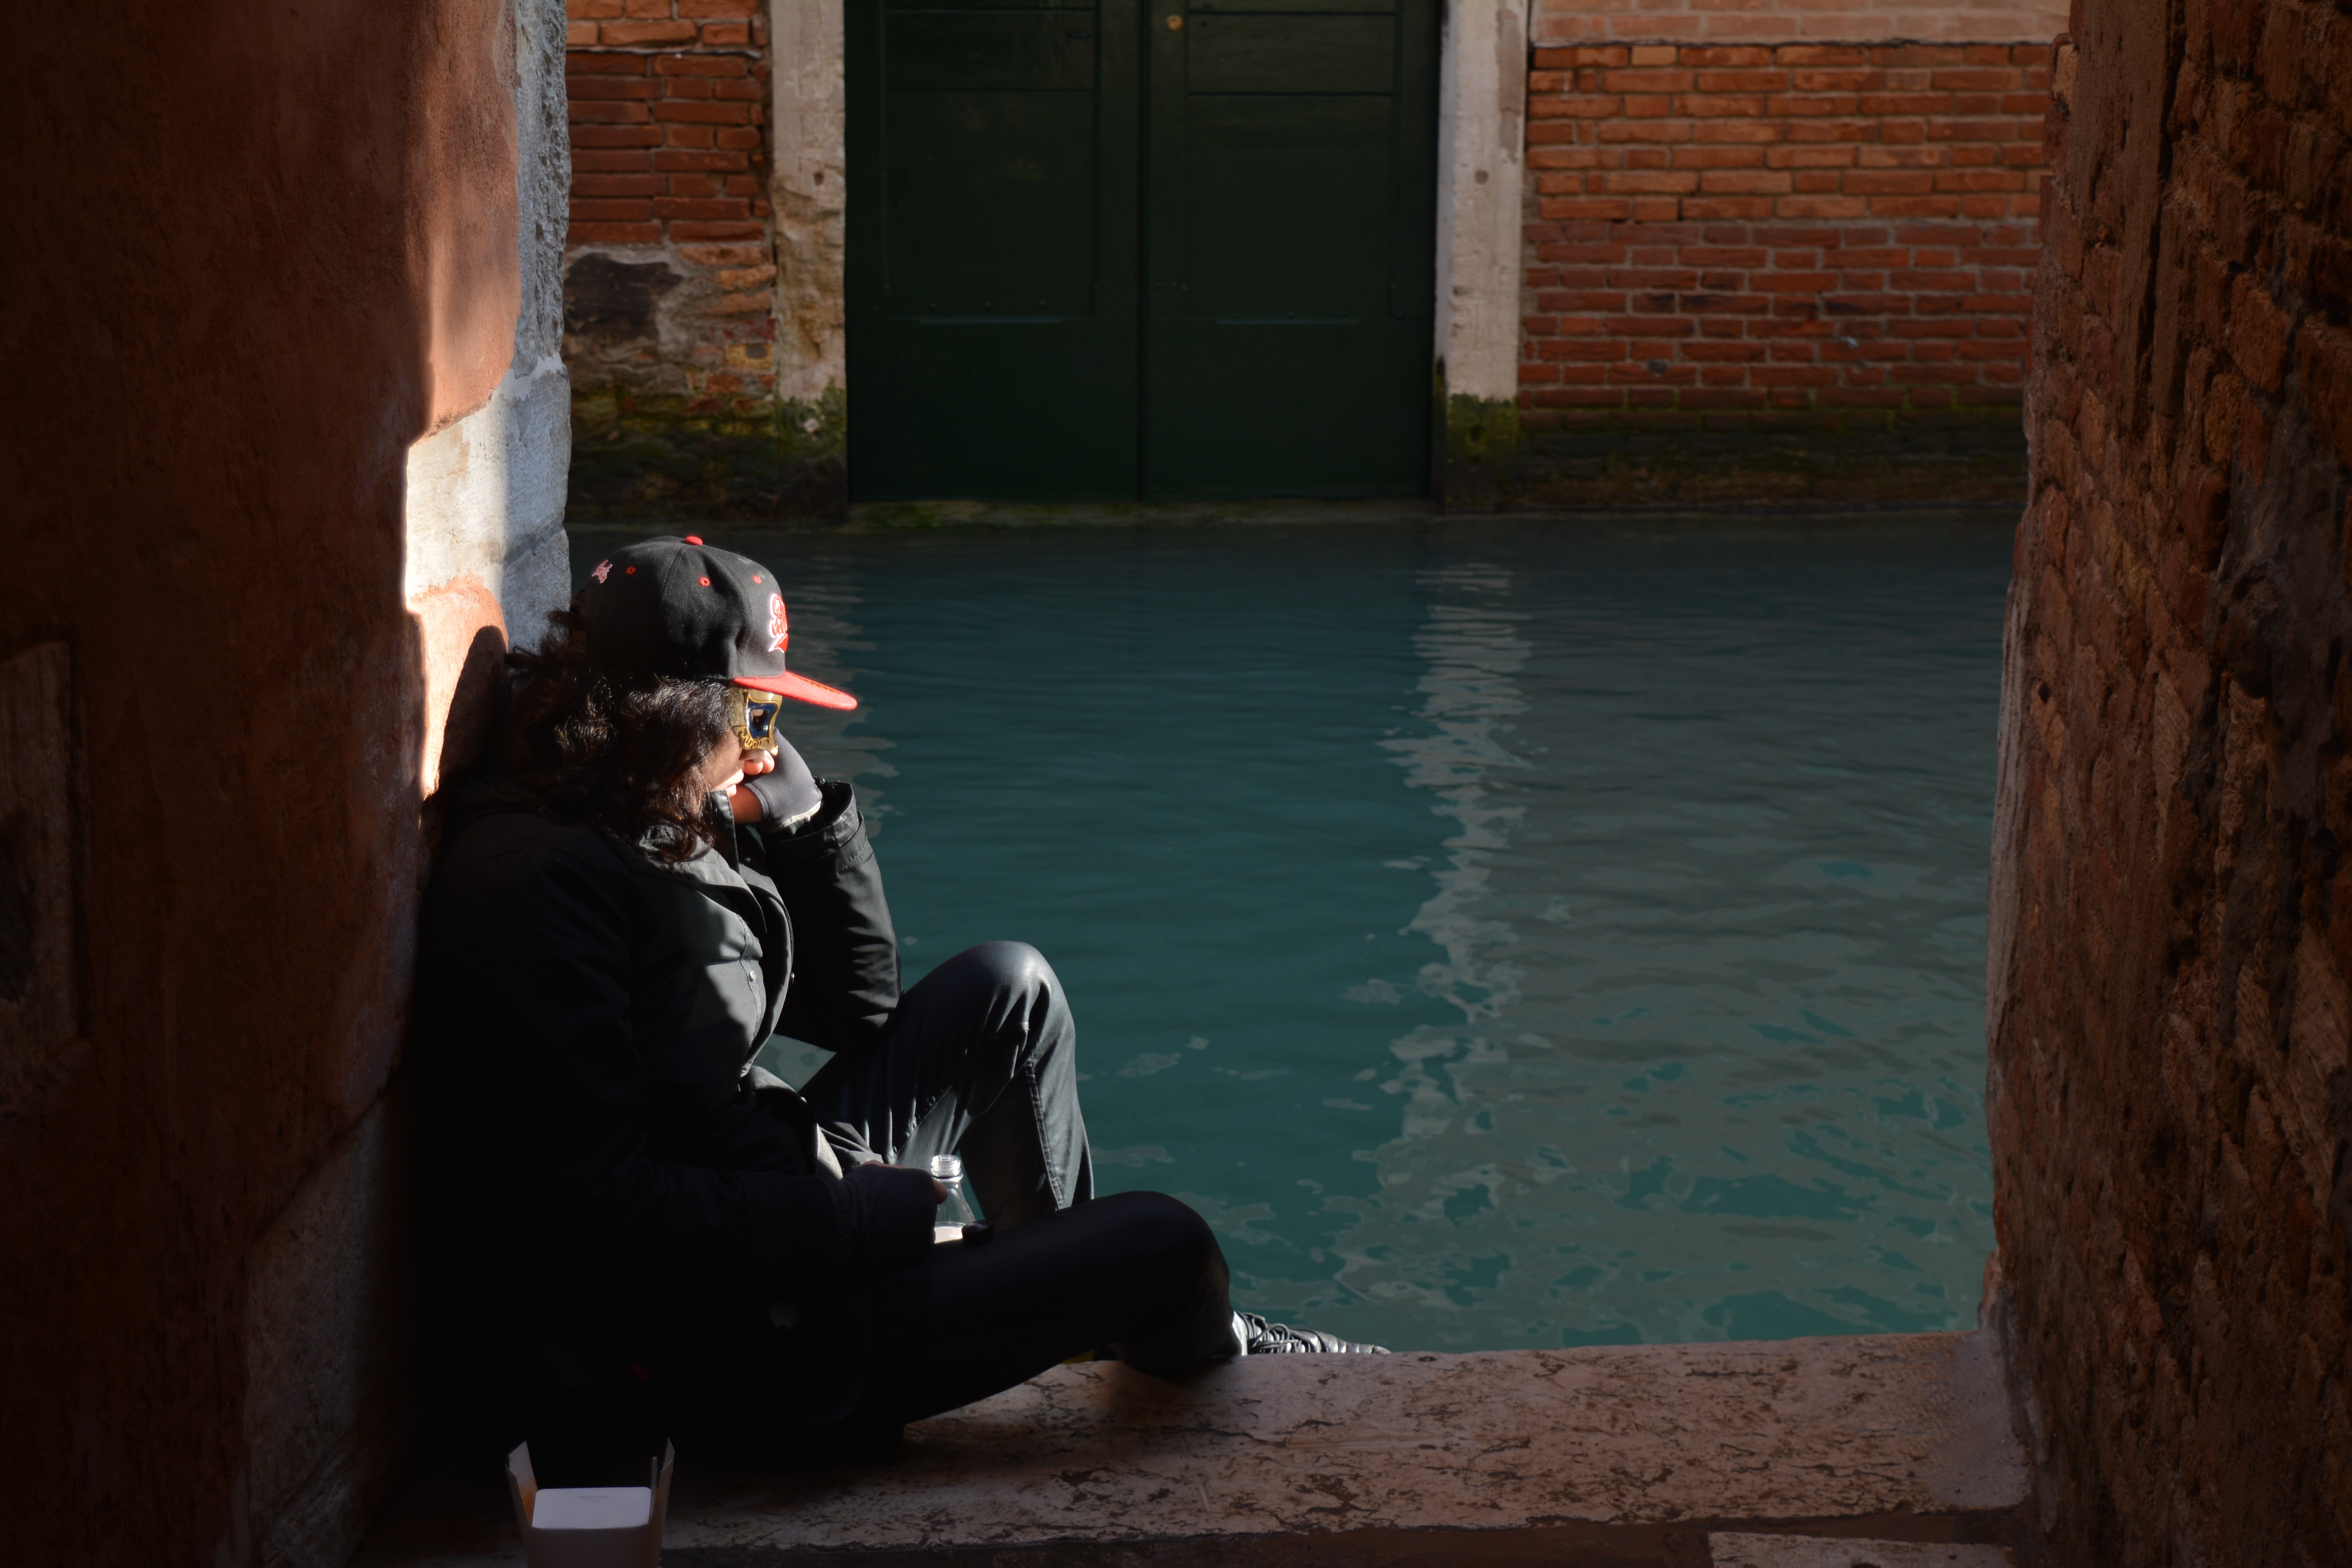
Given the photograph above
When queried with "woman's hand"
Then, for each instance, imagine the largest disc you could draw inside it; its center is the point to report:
(741, 801)
(786, 791)
(887, 1213)
(778, 788)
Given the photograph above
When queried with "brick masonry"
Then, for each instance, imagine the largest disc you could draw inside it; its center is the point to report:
(2170, 1092)
(670, 267)
(1790, 270)
(1794, 21)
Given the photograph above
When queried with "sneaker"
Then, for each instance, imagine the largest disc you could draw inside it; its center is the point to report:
(1259, 1337)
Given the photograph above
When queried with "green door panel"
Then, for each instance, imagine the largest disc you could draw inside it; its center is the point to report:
(991, 270)
(986, 203)
(1092, 256)
(1288, 7)
(1005, 410)
(936, 6)
(1283, 214)
(1314, 55)
(979, 51)
(1291, 252)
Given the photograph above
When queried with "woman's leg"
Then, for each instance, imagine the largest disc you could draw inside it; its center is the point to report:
(1136, 1271)
(1140, 1272)
(980, 1058)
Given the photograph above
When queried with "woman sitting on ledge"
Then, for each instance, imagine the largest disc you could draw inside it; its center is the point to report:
(645, 886)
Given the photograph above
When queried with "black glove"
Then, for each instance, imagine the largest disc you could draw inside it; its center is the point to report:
(888, 1212)
(789, 794)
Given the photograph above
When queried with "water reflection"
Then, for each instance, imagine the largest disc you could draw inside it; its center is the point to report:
(1712, 923)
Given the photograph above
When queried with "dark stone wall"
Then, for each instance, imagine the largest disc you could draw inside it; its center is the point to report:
(255, 254)
(2171, 915)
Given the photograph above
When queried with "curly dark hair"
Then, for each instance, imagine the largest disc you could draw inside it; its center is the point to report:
(623, 750)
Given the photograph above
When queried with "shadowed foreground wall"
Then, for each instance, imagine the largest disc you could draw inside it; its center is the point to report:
(2171, 920)
(272, 486)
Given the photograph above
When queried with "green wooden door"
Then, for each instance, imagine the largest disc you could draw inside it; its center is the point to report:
(1093, 256)
(992, 266)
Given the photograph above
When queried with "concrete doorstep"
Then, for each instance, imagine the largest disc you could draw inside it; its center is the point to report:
(1876, 1451)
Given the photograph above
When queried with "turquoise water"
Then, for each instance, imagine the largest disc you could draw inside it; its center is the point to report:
(1507, 934)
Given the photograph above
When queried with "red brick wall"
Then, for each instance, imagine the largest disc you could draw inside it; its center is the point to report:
(1734, 229)
(671, 166)
(1794, 21)
(2170, 1092)
(668, 105)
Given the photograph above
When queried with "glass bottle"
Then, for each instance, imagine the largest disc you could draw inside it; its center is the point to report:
(955, 1211)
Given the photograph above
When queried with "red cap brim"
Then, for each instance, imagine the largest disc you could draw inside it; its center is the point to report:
(798, 688)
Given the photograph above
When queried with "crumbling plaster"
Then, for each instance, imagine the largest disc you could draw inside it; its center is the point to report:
(485, 492)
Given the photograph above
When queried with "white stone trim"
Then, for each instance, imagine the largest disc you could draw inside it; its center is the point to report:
(1481, 113)
(808, 192)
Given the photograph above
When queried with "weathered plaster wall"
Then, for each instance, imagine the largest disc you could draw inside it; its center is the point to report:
(269, 255)
(2171, 920)
(686, 351)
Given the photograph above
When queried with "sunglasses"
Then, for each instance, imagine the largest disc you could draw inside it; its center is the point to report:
(752, 716)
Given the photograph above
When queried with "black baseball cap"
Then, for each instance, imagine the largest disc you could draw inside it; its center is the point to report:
(679, 607)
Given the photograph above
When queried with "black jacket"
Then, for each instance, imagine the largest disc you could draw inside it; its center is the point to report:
(593, 1011)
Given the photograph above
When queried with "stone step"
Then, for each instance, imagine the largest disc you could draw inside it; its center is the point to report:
(1618, 1455)
(1742, 1550)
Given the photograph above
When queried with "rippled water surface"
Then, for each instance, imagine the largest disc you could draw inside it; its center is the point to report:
(1505, 934)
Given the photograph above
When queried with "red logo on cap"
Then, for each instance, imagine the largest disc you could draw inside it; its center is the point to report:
(778, 629)
(604, 570)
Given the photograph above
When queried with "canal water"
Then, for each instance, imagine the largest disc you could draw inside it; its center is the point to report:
(1507, 934)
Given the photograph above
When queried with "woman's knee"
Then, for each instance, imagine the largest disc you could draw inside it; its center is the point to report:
(1153, 1227)
(996, 981)
(1014, 967)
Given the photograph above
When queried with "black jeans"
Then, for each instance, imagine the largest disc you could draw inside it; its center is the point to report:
(981, 1060)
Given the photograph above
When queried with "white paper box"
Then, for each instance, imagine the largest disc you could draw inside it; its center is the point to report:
(566, 1527)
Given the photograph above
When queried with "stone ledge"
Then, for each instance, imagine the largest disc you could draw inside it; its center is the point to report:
(1618, 1454)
